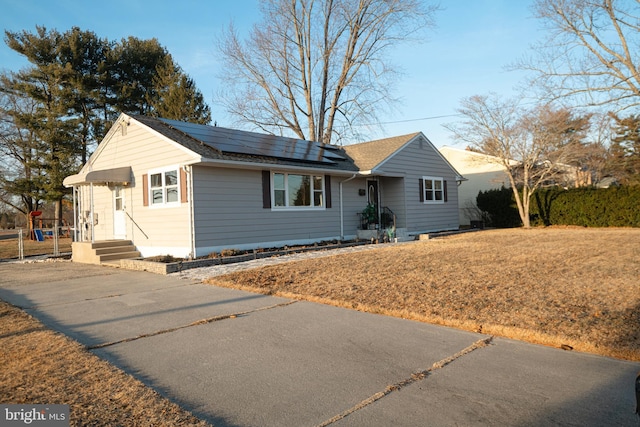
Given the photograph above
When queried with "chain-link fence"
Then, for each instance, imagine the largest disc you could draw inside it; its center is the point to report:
(21, 244)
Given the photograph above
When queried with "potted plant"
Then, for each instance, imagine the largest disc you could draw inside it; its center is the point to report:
(370, 215)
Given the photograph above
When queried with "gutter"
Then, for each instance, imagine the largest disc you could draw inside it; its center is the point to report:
(272, 166)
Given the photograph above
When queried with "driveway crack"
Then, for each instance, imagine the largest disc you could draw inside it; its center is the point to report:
(416, 376)
(196, 323)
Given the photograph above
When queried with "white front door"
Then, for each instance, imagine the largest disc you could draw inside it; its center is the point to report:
(119, 216)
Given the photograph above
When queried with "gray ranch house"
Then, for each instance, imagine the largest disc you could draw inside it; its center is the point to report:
(173, 188)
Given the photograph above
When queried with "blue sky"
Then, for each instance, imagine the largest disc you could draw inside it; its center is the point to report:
(464, 55)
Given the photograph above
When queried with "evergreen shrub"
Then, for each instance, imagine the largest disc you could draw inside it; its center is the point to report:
(588, 207)
(499, 208)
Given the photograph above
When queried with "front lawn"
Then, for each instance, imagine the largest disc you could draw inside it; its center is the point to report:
(565, 287)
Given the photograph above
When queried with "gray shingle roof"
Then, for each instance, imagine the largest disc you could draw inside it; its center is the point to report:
(218, 143)
(368, 155)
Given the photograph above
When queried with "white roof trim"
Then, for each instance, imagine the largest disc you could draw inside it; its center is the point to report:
(257, 165)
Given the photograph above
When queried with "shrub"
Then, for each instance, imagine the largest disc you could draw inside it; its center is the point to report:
(588, 206)
(164, 258)
(499, 208)
(230, 252)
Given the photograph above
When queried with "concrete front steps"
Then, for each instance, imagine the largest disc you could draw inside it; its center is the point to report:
(107, 251)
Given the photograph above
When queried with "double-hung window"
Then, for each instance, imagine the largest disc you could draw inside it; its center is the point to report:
(164, 187)
(292, 190)
(433, 190)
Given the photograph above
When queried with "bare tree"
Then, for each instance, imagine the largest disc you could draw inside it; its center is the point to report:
(21, 174)
(315, 68)
(533, 146)
(591, 54)
(592, 158)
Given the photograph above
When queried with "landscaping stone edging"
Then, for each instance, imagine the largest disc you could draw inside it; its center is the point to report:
(175, 267)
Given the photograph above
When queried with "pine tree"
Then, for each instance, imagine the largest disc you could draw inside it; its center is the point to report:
(133, 62)
(625, 149)
(176, 96)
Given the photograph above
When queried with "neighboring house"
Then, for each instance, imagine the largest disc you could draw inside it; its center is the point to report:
(482, 173)
(187, 190)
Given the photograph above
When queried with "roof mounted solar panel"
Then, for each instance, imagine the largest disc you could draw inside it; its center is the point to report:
(250, 143)
(332, 155)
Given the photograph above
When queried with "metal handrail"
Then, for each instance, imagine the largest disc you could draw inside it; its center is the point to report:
(385, 219)
(136, 224)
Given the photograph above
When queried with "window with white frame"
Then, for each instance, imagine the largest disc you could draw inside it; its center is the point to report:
(164, 187)
(298, 190)
(433, 189)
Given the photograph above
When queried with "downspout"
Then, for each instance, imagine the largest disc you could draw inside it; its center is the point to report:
(82, 235)
(82, 206)
(75, 210)
(93, 234)
(192, 228)
(342, 206)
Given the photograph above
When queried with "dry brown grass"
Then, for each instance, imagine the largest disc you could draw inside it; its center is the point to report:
(554, 286)
(40, 366)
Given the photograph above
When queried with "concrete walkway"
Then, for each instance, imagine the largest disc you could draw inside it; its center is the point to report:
(240, 359)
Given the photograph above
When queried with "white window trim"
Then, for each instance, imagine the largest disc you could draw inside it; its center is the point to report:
(162, 171)
(424, 190)
(286, 195)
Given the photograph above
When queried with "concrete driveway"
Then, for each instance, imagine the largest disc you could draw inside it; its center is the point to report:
(240, 359)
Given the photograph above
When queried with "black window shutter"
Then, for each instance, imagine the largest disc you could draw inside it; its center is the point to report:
(421, 190)
(327, 190)
(444, 189)
(266, 189)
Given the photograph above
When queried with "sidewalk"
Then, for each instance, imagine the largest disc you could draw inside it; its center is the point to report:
(240, 359)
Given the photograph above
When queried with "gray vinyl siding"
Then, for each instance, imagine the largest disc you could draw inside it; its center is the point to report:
(156, 230)
(353, 204)
(229, 213)
(392, 195)
(417, 159)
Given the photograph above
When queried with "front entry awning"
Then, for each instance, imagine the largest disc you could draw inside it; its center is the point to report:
(116, 175)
